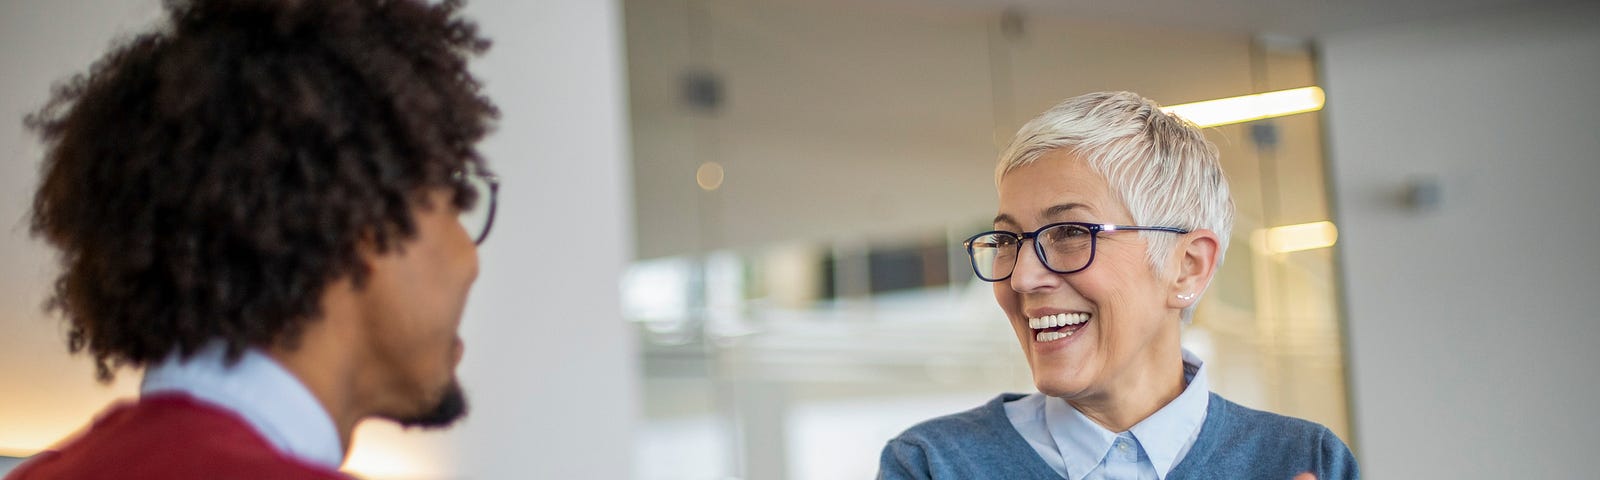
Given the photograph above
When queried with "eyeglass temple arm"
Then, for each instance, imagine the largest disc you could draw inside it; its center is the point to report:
(1112, 228)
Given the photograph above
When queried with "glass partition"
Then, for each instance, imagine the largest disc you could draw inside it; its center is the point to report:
(805, 172)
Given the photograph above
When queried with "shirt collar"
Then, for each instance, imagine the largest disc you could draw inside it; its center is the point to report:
(1165, 435)
(258, 390)
(1082, 442)
(1169, 432)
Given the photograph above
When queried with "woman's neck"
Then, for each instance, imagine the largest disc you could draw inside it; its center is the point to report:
(1138, 393)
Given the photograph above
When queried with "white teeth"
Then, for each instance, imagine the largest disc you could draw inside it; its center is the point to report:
(1051, 336)
(1057, 320)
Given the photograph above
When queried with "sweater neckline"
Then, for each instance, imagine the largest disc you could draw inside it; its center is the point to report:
(1202, 448)
(1216, 414)
(1014, 441)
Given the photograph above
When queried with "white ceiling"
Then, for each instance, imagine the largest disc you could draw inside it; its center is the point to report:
(1299, 18)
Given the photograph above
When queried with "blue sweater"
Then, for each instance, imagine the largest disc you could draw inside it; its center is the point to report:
(1235, 442)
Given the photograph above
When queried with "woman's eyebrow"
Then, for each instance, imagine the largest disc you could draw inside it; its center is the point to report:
(1052, 212)
(1057, 210)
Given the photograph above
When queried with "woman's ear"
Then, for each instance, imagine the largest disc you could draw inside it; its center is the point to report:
(1197, 254)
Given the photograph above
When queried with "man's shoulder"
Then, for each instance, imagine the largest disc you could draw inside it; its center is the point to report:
(170, 436)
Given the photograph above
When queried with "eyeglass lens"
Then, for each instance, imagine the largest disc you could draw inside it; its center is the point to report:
(1065, 248)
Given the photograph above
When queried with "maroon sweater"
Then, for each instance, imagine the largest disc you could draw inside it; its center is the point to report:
(164, 437)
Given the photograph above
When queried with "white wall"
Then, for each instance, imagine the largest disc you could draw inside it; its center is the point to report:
(1472, 326)
(44, 393)
(549, 364)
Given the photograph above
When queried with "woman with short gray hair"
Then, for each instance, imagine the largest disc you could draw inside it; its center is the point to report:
(1113, 219)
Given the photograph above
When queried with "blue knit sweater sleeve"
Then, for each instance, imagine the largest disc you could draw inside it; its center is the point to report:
(1337, 463)
(903, 460)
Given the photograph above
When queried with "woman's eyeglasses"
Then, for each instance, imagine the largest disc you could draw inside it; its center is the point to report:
(1065, 247)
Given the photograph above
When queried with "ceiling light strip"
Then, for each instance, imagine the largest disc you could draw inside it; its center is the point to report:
(1228, 111)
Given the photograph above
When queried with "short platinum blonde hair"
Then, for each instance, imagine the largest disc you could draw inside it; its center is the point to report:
(1162, 166)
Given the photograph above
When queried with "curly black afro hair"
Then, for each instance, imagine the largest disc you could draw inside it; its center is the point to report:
(207, 180)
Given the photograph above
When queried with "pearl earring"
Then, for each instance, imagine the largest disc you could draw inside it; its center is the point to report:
(1186, 296)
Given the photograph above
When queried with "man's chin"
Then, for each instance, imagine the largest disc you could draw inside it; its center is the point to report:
(452, 406)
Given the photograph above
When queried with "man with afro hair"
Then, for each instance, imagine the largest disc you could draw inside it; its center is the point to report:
(272, 208)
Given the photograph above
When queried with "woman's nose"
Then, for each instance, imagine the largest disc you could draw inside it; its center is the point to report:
(1030, 274)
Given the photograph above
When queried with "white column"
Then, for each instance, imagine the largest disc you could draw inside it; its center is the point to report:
(550, 363)
(1471, 321)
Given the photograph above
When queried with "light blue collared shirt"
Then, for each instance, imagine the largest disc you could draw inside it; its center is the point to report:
(258, 390)
(1077, 448)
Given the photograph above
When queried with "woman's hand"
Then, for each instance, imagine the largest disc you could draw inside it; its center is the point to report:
(1305, 476)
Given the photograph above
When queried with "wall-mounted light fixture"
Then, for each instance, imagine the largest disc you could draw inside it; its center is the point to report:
(1228, 111)
(708, 176)
(1294, 238)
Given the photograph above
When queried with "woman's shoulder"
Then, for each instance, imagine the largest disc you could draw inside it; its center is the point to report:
(960, 428)
(1225, 416)
(977, 443)
(1253, 443)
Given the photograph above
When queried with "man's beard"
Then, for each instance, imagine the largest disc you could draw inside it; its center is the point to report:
(451, 407)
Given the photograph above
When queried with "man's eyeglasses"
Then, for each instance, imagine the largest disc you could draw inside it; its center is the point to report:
(485, 188)
(1066, 247)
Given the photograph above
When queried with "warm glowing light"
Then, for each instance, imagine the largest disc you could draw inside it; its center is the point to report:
(14, 452)
(1294, 238)
(372, 460)
(28, 437)
(709, 176)
(384, 450)
(1227, 111)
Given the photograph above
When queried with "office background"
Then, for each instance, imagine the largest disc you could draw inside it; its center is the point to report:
(769, 190)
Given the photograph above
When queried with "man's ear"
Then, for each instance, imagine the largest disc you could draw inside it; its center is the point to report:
(1196, 261)
(370, 256)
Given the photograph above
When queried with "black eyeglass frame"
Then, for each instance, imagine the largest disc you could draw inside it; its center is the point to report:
(494, 193)
(1094, 238)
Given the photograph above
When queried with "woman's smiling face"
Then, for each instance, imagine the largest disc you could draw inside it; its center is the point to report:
(1123, 326)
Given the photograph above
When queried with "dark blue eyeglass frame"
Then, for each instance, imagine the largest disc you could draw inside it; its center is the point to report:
(1094, 238)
